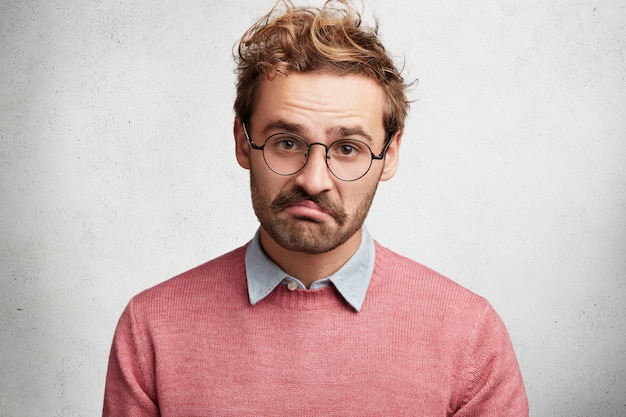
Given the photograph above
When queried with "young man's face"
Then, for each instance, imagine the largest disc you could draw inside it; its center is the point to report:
(312, 211)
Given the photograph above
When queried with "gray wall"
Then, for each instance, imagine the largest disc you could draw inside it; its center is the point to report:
(118, 171)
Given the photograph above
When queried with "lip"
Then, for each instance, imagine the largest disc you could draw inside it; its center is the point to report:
(309, 210)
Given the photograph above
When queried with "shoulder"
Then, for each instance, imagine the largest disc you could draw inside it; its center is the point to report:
(224, 275)
(432, 303)
(416, 283)
(459, 327)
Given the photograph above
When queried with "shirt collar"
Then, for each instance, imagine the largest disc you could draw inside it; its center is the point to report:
(352, 280)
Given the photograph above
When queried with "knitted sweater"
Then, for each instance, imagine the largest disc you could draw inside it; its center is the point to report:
(421, 346)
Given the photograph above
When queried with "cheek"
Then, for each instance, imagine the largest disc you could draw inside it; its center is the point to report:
(266, 185)
(353, 195)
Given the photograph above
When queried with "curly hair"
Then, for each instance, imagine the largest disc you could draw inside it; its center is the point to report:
(304, 39)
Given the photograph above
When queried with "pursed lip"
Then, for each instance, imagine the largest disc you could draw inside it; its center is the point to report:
(309, 209)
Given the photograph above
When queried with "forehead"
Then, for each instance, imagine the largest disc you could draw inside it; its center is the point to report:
(321, 102)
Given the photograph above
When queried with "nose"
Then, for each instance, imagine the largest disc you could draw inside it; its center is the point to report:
(315, 178)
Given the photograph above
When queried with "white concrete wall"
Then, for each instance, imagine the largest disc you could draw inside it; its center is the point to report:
(117, 172)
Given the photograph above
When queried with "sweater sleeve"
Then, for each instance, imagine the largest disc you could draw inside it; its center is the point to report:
(130, 388)
(494, 385)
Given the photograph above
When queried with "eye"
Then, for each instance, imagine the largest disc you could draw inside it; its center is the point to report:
(348, 149)
(285, 144)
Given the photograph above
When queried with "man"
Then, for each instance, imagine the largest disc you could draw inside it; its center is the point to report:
(313, 317)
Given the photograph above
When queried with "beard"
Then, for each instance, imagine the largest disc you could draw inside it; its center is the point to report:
(303, 234)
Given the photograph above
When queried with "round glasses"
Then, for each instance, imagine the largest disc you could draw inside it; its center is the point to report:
(287, 153)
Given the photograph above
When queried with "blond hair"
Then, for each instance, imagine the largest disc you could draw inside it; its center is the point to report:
(303, 39)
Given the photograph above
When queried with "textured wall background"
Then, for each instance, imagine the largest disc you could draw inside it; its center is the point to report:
(117, 172)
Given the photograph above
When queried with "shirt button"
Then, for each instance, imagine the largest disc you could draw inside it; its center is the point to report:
(292, 286)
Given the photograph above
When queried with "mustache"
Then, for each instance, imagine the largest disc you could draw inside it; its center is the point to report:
(286, 198)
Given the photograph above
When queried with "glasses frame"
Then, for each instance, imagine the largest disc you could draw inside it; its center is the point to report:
(310, 145)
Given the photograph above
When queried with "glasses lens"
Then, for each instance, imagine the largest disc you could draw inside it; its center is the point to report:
(349, 160)
(285, 154)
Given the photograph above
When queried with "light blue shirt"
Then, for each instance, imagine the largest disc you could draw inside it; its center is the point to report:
(352, 280)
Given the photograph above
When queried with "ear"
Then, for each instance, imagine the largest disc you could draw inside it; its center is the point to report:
(392, 157)
(242, 148)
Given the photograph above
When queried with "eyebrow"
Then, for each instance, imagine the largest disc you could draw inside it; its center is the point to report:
(343, 132)
(283, 126)
(298, 129)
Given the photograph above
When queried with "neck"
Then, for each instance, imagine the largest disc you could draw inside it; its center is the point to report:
(308, 267)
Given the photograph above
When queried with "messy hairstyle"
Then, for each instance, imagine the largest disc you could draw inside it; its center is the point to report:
(304, 39)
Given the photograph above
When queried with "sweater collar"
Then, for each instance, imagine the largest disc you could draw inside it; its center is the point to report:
(352, 280)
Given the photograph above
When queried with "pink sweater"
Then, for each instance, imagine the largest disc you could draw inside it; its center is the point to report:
(421, 346)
